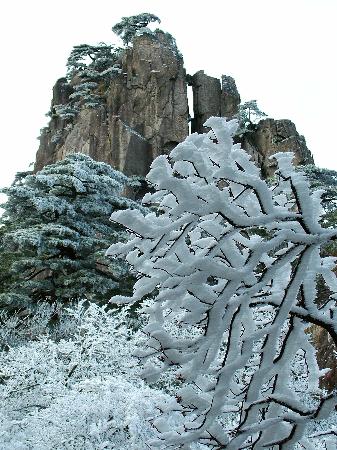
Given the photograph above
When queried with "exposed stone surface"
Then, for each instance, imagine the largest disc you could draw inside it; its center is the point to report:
(272, 136)
(51, 135)
(210, 98)
(145, 112)
(230, 97)
(326, 356)
(206, 100)
(46, 152)
(61, 92)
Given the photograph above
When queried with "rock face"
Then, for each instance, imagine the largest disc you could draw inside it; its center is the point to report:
(273, 136)
(51, 135)
(145, 112)
(326, 356)
(210, 98)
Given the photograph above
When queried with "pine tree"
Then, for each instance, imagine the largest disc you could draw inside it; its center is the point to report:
(92, 61)
(127, 28)
(248, 116)
(7, 257)
(55, 231)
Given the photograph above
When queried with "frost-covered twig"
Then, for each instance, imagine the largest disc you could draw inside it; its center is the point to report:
(234, 263)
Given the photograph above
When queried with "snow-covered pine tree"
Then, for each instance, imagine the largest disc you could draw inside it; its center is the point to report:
(89, 68)
(127, 28)
(92, 61)
(57, 229)
(233, 264)
(248, 116)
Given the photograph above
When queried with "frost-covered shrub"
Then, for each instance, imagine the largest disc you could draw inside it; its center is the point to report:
(56, 138)
(232, 263)
(67, 111)
(17, 329)
(78, 392)
(83, 92)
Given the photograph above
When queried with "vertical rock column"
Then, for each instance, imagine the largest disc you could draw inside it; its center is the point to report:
(49, 138)
(148, 109)
(230, 97)
(212, 98)
(206, 100)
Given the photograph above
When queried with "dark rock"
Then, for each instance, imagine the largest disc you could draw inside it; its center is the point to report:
(51, 136)
(230, 97)
(326, 356)
(206, 100)
(46, 153)
(272, 136)
(144, 112)
(210, 98)
(61, 92)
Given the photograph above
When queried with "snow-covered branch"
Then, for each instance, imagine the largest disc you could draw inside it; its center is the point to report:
(233, 264)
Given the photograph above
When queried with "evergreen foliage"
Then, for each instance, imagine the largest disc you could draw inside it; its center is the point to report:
(91, 66)
(128, 27)
(6, 260)
(248, 116)
(67, 112)
(56, 229)
(326, 180)
(93, 61)
(233, 265)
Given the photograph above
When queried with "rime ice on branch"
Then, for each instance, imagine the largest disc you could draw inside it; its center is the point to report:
(233, 265)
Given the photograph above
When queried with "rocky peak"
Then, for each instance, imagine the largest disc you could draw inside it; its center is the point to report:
(230, 97)
(143, 112)
(61, 92)
(212, 98)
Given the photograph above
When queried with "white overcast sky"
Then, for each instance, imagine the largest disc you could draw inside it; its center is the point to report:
(280, 52)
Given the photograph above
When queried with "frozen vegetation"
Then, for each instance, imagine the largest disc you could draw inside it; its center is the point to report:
(55, 230)
(212, 350)
(232, 264)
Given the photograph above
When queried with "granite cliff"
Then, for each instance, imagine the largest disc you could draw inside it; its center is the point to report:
(145, 113)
